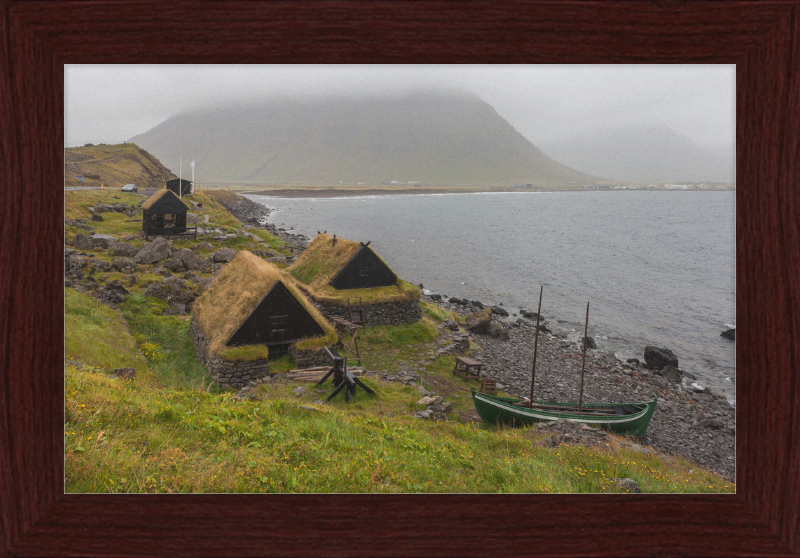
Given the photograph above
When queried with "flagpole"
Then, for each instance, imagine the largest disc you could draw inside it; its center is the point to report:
(192, 177)
(180, 176)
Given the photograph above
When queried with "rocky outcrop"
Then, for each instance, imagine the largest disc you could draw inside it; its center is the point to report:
(82, 242)
(103, 241)
(189, 259)
(153, 252)
(125, 250)
(659, 357)
(223, 255)
(171, 289)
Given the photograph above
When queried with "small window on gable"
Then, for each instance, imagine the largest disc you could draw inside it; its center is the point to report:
(363, 271)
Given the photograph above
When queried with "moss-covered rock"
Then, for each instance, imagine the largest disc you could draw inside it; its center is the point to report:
(478, 322)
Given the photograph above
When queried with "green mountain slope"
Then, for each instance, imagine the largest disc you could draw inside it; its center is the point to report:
(114, 166)
(423, 137)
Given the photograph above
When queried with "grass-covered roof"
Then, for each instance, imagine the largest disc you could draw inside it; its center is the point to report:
(148, 203)
(239, 288)
(323, 259)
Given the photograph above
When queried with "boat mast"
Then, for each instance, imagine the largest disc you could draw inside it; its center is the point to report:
(583, 365)
(536, 343)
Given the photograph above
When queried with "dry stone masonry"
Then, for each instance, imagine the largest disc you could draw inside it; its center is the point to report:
(226, 373)
(387, 313)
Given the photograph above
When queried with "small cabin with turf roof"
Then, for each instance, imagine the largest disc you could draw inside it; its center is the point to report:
(337, 273)
(252, 313)
(163, 214)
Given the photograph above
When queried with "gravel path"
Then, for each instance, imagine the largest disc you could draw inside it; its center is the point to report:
(696, 425)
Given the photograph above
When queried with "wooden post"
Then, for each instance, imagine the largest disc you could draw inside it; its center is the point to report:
(536, 343)
(583, 365)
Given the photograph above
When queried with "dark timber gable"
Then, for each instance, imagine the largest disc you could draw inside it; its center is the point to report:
(278, 319)
(166, 215)
(364, 270)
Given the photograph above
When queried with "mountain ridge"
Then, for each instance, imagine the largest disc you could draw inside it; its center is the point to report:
(426, 138)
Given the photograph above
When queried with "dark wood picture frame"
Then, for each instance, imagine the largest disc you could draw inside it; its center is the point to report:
(760, 37)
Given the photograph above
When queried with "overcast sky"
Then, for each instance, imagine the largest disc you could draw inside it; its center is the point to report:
(547, 104)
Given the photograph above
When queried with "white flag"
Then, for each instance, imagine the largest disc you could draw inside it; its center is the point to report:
(191, 164)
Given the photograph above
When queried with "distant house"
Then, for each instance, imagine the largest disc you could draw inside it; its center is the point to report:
(523, 185)
(252, 313)
(180, 186)
(163, 214)
(335, 271)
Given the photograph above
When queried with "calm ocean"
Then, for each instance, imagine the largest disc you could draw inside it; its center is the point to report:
(657, 267)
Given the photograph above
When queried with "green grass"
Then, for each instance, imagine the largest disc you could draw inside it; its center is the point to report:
(439, 314)
(423, 331)
(166, 343)
(402, 291)
(246, 353)
(98, 336)
(125, 437)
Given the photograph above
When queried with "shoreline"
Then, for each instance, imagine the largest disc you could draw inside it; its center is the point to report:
(697, 424)
(356, 192)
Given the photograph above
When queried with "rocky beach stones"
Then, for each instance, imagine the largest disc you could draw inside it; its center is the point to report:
(658, 357)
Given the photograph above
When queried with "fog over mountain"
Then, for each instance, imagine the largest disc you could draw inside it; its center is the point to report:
(430, 138)
(644, 154)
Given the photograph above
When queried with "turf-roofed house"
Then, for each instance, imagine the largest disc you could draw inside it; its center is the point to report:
(252, 313)
(336, 272)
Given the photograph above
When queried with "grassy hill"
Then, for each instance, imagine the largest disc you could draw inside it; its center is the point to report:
(430, 138)
(114, 166)
(172, 430)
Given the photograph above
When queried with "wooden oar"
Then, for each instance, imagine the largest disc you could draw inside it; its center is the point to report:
(536, 341)
(583, 365)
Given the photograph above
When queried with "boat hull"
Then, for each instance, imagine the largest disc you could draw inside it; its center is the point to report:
(501, 410)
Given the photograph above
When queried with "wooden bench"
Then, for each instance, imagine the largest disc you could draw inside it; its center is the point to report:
(488, 385)
(467, 368)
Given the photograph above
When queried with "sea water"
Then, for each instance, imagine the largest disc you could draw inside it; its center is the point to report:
(658, 268)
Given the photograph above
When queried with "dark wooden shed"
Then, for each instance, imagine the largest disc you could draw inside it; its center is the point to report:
(184, 189)
(164, 214)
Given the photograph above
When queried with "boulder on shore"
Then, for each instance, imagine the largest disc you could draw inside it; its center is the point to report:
(659, 357)
(672, 374)
(499, 310)
(478, 322)
(590, 344)
(729, 334)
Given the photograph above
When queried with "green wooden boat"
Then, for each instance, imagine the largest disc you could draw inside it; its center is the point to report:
(624, 418)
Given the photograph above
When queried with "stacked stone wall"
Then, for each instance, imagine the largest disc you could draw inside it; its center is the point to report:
(386, 313)
(227, 374)
(310, 357)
